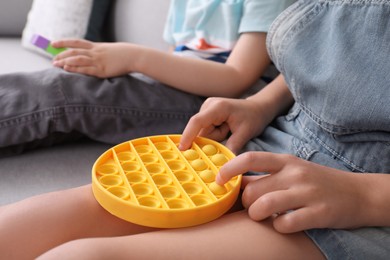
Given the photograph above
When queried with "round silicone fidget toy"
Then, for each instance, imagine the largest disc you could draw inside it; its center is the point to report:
(150, 182)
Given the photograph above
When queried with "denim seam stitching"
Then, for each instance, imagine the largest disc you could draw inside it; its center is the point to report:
(301, 150)
(57, 112)
(333, 152)
(355, 2)
(298, 26)
(123, 111)
(33, 117)
(331, 128)
(275, 25)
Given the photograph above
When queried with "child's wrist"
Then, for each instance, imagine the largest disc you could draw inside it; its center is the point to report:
(266, 106)
(131, 54)
(373, 190)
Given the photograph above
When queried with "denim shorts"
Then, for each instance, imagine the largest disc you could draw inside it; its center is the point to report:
(334, 56)
(297, 134)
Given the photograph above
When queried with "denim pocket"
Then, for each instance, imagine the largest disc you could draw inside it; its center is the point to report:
(293, 113)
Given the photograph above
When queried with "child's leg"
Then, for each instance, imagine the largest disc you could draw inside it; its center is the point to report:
(43, 108)
(233, 236)
(33, 226)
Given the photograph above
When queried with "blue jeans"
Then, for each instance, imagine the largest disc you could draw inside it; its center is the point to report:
(50, 106)
(334, 56)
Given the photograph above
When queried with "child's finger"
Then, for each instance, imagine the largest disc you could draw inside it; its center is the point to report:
(206, 118)
(79, 61)
(72, 43)
(248, 179)
(275, 202)
(298, 220)
(71, 53)
(194, 125)
(86, 70)
(250, 161)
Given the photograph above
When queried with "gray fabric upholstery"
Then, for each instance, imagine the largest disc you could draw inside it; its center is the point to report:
(47, 169)
(13, 16)
(14, 58)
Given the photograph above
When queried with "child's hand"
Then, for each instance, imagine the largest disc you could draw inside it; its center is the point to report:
(299, 194)
(95, 59)
(219, 116)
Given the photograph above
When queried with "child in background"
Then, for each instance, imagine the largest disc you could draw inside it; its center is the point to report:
(326, 192)
(99, 102)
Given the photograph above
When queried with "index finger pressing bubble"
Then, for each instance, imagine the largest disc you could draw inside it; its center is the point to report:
(250, 161)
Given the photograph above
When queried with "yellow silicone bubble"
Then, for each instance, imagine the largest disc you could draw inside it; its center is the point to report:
(177, 204)
(131, 166)
(169, 192)
(143, 149)
(110, 180)
(149, 181)
(219, 159)
(141, 189)
(207, 175)
(191, 154)
(162, 146)
(162, 179)
(199, 165)
(149, 158)
(169, 155)
(176, 165)
(192, 188)
(184, 176)
(217, 189)
(107, 169)
(125, 156)
(119, 192)
(155, 168)
(149, 201)
(134, 177)
(200, 200)
(209, 149)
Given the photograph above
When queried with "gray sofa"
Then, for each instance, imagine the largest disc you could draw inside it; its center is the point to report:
(68, 165)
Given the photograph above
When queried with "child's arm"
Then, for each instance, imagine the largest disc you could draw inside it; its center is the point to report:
(243, 118)
(244, 66)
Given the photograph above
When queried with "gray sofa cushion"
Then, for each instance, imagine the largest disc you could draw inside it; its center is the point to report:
(47, 169)
(19, 59)
(13, 16)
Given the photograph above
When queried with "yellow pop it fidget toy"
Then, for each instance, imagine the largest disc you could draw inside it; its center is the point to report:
(150, 182)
